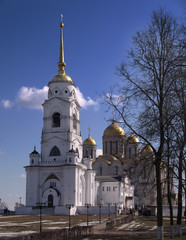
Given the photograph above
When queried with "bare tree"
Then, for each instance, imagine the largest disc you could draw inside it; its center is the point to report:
(147, 83)
(179, 126)
(3, 205)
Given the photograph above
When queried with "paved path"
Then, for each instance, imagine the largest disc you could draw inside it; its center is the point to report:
(100, 228)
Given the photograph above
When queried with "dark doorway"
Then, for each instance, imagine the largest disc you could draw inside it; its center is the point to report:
(50, 201)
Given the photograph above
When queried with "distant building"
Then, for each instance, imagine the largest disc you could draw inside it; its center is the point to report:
(68, 172)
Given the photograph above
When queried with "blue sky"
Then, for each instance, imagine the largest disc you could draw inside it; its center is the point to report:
(97, 35)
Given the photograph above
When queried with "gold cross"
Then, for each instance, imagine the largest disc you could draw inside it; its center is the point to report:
(89, 131)
(61, 18)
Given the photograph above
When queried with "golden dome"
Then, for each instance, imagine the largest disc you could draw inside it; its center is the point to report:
(147, 149)
(114, 130)
(89, 141)
(62, 78)
(132, 139)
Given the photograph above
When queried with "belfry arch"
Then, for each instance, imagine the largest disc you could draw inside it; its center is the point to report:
(56, 119)
(55, 151)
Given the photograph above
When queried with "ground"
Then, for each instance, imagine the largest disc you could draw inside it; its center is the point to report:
(141, 228)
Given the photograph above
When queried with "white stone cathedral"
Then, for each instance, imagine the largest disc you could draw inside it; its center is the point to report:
(68, 172)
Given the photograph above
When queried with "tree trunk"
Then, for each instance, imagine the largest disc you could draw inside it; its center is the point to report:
(169, 188)
(160, 233)
(179, 215)
(185, 195)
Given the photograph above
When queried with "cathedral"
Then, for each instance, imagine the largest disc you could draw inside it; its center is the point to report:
(67, 171)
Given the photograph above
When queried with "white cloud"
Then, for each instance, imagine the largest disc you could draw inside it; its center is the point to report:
(99, 152)
(10, 195)
(31, 97)
(7, 103)
(22, 176)
(84, 103)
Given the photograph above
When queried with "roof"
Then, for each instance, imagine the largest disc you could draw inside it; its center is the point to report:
(34, 152)
(89, 141)
(147, 149)
(132, 139)
(114, 130)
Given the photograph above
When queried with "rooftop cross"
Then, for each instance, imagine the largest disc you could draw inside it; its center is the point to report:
(89, 131)
(113, 120)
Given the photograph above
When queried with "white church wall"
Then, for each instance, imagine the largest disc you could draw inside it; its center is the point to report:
(95, 210)
(90, 187)
(116, 168)
(23, 210)
(110, 192)
(32, 186)
(101, 167)
(70, 189)
(64, 210)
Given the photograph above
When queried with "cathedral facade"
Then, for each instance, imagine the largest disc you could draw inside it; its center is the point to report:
(67, 170)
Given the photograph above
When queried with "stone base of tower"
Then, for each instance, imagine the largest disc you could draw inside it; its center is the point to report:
(23, 211)
(63, 210)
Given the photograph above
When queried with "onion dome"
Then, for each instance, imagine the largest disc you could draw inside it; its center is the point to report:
(63, 78)
(61, 64)
(132, 139)
(89, 141)
(114, 130)
(147, 149)
(34, 152)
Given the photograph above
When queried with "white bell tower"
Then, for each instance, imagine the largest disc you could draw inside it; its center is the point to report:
(59, 175)
(61, 123)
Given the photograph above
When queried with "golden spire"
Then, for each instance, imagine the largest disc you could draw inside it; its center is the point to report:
(61, 63)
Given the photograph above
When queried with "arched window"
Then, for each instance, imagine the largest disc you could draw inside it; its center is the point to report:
(86, 153)
(52, 176)
(116, 147)
(55, 151)
(56, 120)
(135, 151)
(50, 200)
(116, 168)
(77, 151)
(110, 147)
(129, 152)
(125, 152)
(100, 171)
(74, 121)
(106, 147)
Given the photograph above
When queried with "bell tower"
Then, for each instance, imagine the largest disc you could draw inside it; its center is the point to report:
(61, 123)
(59, 175)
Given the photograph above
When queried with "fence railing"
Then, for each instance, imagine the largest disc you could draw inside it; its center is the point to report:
(76, 232)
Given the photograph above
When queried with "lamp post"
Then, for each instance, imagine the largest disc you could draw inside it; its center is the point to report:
(40, 205)
(69, 207)
(100, 205)
(115, 209)
(108, 211)
(87, 205)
